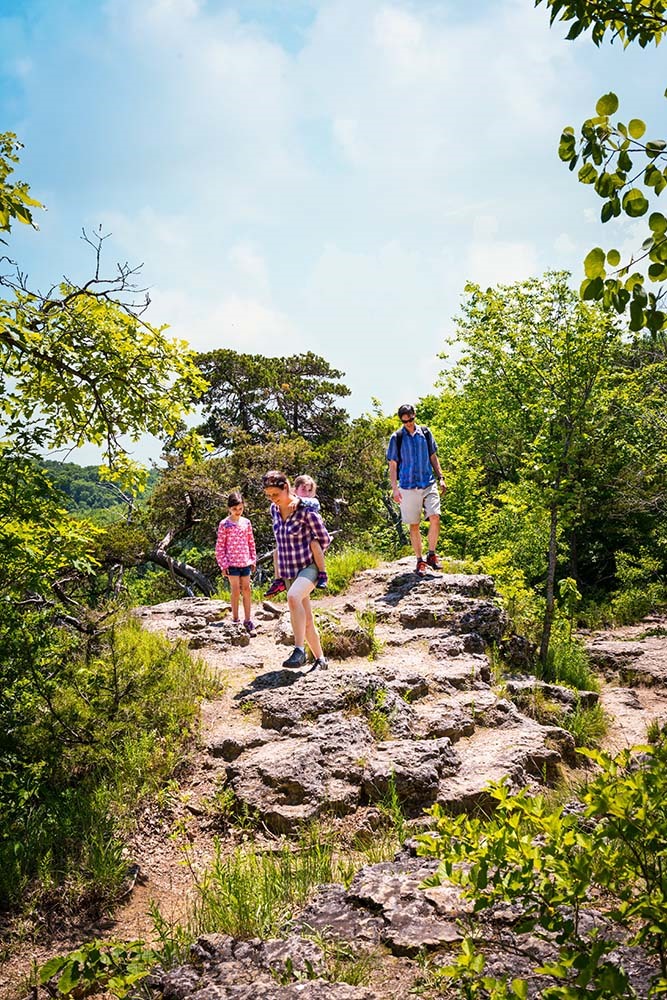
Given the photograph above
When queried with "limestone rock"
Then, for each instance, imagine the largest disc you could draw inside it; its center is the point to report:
(230, 740)
(412, 920)
(415, 767)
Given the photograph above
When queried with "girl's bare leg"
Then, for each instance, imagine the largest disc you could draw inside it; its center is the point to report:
(235, 587)
(247, 597)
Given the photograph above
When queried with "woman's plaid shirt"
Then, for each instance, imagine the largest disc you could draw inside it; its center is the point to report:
(293, 538)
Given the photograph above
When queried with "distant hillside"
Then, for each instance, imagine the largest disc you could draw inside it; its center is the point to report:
(82, 487)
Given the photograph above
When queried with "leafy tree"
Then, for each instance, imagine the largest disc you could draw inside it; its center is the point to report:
(15, 200)
(261, 396)
(534, 380)
(626, 170)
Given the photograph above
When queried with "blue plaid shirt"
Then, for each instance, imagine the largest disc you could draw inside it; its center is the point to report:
(293, 538)
(415, 471)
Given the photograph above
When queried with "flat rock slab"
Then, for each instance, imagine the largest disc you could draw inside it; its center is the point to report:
(640, 661)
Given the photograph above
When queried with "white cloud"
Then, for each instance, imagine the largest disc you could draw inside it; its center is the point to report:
(564, 244)
(501, 263)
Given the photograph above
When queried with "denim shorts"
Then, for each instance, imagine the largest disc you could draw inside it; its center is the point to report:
(238, 570)
(309, 572)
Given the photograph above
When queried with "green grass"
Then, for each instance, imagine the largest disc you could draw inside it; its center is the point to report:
(253, 894)
(568, 664)
(588, 726)
(344, 563)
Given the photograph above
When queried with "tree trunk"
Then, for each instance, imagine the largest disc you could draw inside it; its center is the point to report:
(185, 571)
(551, 580)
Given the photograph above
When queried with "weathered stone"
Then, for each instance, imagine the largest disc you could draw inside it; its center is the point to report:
(412, 921)
(442, 718)
(484, 619)
(227, 969)
(516, 752)
(518, 652)
(409, 684)
(334, 914)
(415, 767)
(229, 741)
(519, 687)
(293, 780)
(639, 661)
(322, 693)
(461, 672)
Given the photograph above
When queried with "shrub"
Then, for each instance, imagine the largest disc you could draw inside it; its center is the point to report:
(102, 729)
(553, 866)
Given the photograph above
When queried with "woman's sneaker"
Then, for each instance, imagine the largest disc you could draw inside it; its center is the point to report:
(320, 663)
(296, 659)
(277, 587)
(322, 581)
(249, 626)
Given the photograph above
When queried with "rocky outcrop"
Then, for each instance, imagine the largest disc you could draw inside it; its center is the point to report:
(422, 723)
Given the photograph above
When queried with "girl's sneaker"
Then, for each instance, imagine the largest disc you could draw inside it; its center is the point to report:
(277, 587)
(249, 626)
(322, 580)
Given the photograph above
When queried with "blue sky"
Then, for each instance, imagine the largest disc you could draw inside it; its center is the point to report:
(311, 174)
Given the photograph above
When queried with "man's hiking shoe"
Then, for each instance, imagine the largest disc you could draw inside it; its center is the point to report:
(433, 561)
(249, 626)
(322, 580)
(296, 659)
(277, 587)
(420, 567)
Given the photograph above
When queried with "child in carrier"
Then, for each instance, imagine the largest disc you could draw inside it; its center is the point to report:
(305, 488)
(236, 556)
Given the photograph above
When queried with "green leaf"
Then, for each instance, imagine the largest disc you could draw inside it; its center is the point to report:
(591, 289)
(594, 263)
(657, 272)
(588, 174)
(607, 105)
(607, 211)
(636, 128)
(655, 147)
(634, 203)
(613, 258)
(657, 223)
(624, 161)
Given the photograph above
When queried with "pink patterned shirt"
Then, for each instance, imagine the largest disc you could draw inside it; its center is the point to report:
(235, 545)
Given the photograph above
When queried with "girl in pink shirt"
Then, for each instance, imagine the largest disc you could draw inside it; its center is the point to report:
(236, 556)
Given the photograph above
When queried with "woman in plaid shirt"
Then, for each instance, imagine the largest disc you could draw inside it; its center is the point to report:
(294, 529)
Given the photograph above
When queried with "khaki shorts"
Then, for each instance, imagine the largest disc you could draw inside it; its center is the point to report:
(412, 502)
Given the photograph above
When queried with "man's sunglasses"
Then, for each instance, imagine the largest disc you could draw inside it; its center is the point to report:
(407, 420)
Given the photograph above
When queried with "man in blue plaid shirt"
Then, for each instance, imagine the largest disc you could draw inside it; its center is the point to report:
(414, 469)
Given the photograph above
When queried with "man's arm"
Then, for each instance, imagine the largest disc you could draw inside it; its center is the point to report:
(393, 479)
(435, 462)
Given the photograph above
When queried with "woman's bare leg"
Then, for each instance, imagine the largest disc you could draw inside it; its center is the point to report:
(301, 615)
